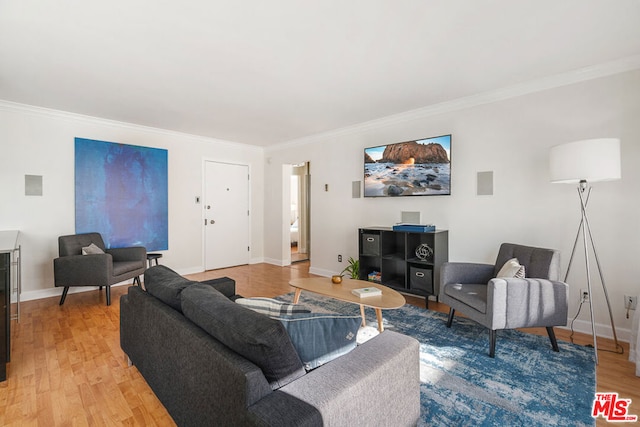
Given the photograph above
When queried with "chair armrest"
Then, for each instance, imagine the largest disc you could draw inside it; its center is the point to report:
(83, 270)
(384, 374)
(526, 303)
(465, 272)
(134, 253)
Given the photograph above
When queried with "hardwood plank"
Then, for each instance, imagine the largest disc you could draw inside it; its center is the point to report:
(67, 368)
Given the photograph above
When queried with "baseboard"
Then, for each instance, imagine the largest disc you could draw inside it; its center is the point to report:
(273, 261)
(582, 326)
(321, 272)
(190, 270)
(603, 331)
(57, 292)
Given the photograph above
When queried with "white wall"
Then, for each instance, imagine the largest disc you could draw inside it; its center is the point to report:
(512, 138)
(36, 141)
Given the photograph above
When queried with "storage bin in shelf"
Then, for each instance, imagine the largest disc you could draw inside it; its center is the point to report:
(370, 244)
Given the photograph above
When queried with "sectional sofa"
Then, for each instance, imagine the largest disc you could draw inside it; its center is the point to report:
(211, 361)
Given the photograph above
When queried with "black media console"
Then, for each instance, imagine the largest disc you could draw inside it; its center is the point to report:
(408, 262)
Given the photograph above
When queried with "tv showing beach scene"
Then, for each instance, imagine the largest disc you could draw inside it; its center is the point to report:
(412, 168)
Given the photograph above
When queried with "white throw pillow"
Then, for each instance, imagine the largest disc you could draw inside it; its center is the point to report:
(512, 268)
(92, 249)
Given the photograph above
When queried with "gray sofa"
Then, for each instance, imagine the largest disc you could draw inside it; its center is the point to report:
(249, 373)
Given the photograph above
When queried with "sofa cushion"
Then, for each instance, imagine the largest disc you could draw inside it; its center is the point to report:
(123, 267)
(473, 295)
(272, 307)
(258, 338)
(320, 337)
(166, 285)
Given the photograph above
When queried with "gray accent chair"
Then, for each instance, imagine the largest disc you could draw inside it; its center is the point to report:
(538, 300)
(113, 266)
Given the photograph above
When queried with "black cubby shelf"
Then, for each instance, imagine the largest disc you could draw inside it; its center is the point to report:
(393, 255)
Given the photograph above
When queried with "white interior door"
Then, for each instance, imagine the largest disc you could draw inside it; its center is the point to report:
(226, 213)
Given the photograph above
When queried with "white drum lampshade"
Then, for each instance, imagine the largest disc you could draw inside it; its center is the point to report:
(589, 160)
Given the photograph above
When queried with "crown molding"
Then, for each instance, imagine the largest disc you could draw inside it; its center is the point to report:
(564, 79)
(11, 106)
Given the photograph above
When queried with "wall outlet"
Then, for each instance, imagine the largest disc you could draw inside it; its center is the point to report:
(630, 302)
(584, 295)
(339, 258)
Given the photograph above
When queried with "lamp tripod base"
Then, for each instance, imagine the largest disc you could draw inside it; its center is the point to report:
(584, 229)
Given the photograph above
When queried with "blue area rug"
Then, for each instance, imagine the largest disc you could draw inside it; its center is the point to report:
(527, 384)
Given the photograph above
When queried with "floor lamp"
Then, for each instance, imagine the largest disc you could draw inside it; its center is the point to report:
(582, 163)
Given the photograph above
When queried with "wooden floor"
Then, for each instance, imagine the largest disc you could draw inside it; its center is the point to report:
(297, 256)
(67, 368)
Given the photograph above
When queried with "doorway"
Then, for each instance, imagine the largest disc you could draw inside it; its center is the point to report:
(226, 215)
(300, 209)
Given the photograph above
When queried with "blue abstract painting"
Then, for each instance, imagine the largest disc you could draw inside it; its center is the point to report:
(122, 193)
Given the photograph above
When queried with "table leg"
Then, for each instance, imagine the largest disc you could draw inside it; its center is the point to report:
(379, 316)
(296, 296)
(364, 322)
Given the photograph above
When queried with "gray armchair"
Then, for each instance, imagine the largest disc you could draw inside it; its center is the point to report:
(99, 269)
(538, 300)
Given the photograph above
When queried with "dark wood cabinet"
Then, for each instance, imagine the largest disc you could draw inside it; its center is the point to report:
(9, 258)
(405, 261)
(5, 303)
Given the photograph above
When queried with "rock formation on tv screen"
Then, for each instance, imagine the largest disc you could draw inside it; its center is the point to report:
(420, 153)
(368, 159)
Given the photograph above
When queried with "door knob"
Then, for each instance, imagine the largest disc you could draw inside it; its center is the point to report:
(211, 221)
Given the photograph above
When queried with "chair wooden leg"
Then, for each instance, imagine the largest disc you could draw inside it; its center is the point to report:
(552, 337)
(108, 294)
(64, 294)
(492, 343)
(450, 319)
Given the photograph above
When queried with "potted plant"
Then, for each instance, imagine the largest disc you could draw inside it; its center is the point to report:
(353, 269)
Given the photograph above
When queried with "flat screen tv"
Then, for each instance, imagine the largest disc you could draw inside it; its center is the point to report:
(412, 168)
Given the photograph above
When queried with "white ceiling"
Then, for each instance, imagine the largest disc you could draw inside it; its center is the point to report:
(267, 72)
